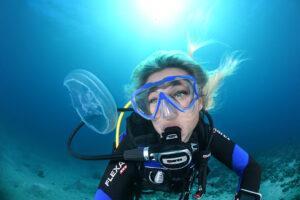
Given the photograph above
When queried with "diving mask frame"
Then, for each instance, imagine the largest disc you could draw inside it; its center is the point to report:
(163, 99)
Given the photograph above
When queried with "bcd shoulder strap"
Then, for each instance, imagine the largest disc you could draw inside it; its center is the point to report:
(141, 130)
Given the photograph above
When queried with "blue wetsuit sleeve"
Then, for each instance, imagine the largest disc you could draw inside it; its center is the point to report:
(101, 195)
(240, 159)
(236, 159)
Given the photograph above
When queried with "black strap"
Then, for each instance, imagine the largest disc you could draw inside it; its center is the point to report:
(188, 184)
(203, 159)
(204, 155)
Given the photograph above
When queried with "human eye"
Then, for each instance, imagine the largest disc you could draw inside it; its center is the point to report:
(181, 94)
(152, 100)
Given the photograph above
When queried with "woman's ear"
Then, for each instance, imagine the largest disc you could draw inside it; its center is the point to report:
(199, 104)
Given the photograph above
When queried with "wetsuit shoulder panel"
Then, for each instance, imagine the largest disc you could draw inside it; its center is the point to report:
(236, 159)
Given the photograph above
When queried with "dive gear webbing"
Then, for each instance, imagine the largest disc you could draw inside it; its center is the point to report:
(200, 171)
(202, 166)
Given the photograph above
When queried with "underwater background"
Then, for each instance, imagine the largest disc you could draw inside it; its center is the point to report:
(42, 41)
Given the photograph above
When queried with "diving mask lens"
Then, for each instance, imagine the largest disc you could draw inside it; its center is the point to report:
(179, 92)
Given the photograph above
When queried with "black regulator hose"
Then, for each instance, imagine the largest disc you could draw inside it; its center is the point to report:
(134, 154)
(88, 157)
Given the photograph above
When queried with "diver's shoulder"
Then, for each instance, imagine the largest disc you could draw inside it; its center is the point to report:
(219, 132)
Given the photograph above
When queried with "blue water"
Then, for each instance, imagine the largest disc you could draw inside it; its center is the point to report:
(42, 41)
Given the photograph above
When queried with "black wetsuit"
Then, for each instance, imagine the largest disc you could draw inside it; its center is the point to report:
(121, 179)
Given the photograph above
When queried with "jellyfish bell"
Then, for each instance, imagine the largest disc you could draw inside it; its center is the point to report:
(92, 101)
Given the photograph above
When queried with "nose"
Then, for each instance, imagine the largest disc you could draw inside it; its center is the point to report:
(167, 111)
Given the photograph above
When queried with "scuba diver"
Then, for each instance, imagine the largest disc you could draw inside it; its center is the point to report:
(173, 134)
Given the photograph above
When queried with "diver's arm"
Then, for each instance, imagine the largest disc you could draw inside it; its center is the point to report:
(118, 179)
(238, 160)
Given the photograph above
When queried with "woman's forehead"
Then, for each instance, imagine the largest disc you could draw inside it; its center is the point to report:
(157, 76)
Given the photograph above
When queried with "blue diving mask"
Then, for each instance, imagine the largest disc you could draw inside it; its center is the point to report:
(165, 97)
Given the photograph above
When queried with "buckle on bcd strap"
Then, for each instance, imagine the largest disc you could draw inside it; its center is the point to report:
(205, 154)
(198, 194)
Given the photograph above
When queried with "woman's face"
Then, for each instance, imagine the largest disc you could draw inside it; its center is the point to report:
(188, 120)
